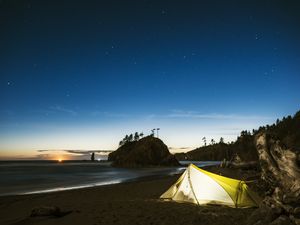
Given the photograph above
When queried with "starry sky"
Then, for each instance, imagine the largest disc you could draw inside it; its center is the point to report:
(79, 75)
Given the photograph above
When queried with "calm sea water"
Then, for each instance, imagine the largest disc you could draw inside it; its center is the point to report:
(26, 177)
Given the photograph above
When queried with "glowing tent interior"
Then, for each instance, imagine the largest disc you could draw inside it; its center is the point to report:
(202, 187)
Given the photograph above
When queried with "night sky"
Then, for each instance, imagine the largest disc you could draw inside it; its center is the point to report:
(79, 75)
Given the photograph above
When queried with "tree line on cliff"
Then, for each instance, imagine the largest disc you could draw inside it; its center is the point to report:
(287, 130)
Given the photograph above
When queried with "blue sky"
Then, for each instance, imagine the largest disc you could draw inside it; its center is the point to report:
(81, 75)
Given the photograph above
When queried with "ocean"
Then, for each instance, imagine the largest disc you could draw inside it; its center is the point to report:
(28, 177)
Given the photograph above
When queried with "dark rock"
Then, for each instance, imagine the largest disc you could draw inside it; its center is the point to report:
(263, 215)
(45, 211)
(148, 151)
(290, 198)
(296, 211)
(260, 222)
(295, 220)
(48, 211)
(288, 209)
(282, 220)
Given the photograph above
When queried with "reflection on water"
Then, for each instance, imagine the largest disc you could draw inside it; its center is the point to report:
(46, 176)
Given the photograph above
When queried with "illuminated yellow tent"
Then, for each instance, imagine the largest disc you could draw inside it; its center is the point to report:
(202, 187)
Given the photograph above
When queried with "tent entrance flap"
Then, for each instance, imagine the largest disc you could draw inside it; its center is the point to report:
(202, 187)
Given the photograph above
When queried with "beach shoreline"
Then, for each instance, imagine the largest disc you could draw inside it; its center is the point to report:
(132, 202)
(17, 178)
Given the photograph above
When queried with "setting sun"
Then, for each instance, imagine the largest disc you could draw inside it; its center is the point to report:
(59, 160)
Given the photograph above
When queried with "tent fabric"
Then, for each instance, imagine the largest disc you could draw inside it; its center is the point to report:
(200, 187)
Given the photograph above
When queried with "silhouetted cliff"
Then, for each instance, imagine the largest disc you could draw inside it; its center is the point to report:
(211, 152)
(286, 130)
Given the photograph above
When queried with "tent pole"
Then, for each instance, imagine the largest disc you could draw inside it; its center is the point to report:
(189, 178)
(238, 193)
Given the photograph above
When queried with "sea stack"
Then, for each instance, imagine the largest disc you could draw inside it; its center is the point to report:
(148, 151)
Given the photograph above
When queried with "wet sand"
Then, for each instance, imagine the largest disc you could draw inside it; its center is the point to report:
(127, 203)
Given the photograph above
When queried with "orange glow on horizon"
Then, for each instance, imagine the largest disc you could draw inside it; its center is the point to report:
(59, 159)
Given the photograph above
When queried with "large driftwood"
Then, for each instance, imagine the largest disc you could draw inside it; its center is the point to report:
(282, 174)
(279, 168)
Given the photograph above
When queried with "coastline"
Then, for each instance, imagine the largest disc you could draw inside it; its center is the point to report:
(89, 186)
(43, 177)
(19, 178)
(132, 202)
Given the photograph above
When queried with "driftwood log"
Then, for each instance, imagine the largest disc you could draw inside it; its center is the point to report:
(244, 165)
(280, 171)
(237, 163)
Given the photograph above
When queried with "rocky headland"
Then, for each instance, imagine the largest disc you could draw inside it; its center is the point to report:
(148, 151)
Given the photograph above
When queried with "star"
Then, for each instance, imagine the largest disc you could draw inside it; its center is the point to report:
(257, 37)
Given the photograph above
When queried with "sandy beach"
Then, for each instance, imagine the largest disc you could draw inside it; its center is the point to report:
(127, 203)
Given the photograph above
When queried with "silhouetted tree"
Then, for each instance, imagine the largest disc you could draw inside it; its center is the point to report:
(277, 121)
(93, 157)
(204, 140)
(212, 141)
(136, 136)
(243, 133)
(126, 139)
(157, 129)
(130, 138)
(221, 140)
(152, 132)
(141, 135)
